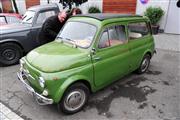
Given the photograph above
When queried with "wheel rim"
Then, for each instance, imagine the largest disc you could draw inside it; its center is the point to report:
(75, 100)
(9, 54)
(145, 65)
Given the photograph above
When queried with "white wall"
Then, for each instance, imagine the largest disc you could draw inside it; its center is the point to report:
(21, 5)
(84, 7)
(0, 5)
(173, 19)
(98, 3)
(44, 2)
(164, 4)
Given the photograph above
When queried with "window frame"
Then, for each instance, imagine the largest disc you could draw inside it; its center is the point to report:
(147, 25)
(106, 28)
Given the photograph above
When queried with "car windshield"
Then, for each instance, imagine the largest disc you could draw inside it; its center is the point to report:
(78, 33)
(28, 17)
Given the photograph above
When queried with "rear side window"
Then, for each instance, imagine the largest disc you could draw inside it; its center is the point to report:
(113, 36)
(137, 30)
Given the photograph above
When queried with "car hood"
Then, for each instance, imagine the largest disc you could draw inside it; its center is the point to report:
(56, 56)
(9, 28)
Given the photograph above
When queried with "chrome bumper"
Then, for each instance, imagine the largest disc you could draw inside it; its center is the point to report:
(41, 100)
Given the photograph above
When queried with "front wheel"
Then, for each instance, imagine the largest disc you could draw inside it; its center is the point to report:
(144, 64)
(10, 53)
(74, 99)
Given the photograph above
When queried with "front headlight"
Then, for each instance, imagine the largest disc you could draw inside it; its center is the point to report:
(41, 82)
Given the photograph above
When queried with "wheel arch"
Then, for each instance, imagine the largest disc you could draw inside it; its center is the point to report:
(67, 83)
(13, 41)
(148, 51)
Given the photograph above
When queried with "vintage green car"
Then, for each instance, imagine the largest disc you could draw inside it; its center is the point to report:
(90, 52)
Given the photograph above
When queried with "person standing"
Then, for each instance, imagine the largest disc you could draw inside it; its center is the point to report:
(51, 27)
(75, 11)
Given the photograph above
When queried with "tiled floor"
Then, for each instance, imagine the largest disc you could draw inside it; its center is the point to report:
(7, 114)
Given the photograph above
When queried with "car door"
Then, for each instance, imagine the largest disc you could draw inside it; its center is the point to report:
(139, 41)
(111, 60)
(38, 22)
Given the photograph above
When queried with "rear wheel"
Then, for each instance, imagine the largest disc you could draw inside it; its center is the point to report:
(74, 98)
(144, 64)
(10, 53)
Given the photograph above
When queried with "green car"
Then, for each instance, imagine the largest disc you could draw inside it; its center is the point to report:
(90, 52)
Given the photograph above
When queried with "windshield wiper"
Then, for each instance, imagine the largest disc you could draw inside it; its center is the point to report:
(59, 37)
(24, 17)
(72, 41)
(29, 19)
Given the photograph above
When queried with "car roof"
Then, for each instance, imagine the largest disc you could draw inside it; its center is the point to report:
(37, 8)
(105, 16)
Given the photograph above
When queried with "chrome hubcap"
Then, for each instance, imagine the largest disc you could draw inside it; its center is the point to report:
(145, 64)
(9, 54)
(75, 100)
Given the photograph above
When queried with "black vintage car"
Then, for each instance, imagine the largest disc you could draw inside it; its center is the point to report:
(18, 39)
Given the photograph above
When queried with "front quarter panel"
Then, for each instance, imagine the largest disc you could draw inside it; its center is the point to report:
(67, 83)
(57, 83)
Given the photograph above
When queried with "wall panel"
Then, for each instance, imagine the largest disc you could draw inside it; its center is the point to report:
(119, 6)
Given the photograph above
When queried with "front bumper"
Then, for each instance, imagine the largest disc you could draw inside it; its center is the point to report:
(39, 98)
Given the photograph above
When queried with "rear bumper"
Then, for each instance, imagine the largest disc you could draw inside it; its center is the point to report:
(41, 100)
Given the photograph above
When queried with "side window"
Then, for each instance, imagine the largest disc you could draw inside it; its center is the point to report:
(113, 36)
(137, 30)
(43, 16)
(104, 41)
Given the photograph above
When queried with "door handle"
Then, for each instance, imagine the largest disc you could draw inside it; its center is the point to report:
(97, 58)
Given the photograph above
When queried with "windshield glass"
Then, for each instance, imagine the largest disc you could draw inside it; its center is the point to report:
(79, 33)
(28, 17)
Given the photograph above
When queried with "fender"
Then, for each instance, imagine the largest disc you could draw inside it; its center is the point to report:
(149, 51)
(10, 40)
(67, 83)
(145, 52)
(13, 41)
